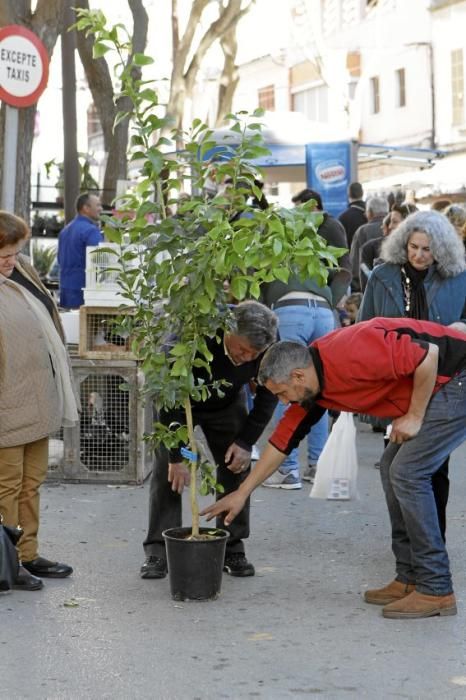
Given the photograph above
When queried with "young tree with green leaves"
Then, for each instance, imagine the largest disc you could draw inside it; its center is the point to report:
(185, 252)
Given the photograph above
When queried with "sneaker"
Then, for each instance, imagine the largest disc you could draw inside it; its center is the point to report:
(278, 480)
(309, 473)
(236, 564)
(154, 567)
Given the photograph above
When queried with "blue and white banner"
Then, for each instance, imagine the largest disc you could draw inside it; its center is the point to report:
(328, 171)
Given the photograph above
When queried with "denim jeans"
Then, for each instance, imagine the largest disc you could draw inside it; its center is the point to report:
(406, 471)
(304, 324)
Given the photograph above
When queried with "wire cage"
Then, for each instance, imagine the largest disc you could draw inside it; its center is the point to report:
(107, 445)
(99, 338)
(103, 267)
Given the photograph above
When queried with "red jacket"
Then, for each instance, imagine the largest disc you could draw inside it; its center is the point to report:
(368, 368)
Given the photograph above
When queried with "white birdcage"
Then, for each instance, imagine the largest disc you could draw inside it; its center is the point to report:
(103, 268)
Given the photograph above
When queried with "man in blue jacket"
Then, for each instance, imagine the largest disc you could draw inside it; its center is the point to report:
(83, 231)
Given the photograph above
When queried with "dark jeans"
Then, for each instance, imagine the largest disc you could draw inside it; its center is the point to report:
(407, 472)
(441, 489)
(220, 428)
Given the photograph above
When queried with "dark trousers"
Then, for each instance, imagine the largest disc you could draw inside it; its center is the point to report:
(220, 428)
(441, 490)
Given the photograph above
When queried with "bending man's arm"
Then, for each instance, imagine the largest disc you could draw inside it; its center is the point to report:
(232, 504)
(425, 375)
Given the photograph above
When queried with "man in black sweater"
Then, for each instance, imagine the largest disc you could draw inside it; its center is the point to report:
(230, 432)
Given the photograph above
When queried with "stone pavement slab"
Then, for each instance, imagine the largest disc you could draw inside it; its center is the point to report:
(299, 628)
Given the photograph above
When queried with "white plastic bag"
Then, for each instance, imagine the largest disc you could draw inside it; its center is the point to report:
(337, 466)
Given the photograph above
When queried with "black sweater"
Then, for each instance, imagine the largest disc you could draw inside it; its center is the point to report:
(237, 377)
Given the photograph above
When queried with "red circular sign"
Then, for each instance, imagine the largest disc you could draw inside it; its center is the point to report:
(24, 66)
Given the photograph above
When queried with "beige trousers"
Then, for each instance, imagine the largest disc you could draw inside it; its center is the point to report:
(22, 471)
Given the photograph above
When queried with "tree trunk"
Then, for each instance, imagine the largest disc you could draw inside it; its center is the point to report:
(229, 78)
(23, 162)
(100, 84)
(187, 58)
(193, 469)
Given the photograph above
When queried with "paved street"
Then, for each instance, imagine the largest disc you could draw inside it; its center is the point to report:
(298, 629)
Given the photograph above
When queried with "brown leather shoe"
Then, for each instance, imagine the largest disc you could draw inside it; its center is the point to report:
(416, 605)
(396, 590)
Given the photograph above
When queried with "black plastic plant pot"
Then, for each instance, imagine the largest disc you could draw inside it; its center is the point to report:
(195, 566)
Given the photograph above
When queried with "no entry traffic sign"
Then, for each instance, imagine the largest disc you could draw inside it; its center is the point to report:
(24, 66)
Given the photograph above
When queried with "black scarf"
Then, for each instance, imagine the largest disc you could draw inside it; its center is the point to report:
(412, 282)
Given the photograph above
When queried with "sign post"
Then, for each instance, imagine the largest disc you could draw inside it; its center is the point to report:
(24, 68)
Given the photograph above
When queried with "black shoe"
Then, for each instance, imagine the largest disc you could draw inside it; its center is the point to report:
(154, 567)
(236, 564)
(47, 569)
(26, 581)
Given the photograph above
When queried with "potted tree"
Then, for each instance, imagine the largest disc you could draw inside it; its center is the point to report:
(198, 245)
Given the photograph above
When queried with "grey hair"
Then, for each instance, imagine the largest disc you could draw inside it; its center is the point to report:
(255, 322)
(377, 206)
(446, 246)
(456, 215)
(281, 359)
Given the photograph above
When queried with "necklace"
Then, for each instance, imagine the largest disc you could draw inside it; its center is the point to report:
(406, 285)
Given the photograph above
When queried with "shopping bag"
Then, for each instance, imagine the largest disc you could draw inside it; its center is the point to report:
(337, 466)
(9, 564)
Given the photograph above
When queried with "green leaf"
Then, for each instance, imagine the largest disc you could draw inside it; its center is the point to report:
(239, 287)
(277, 246)
(141, 59)
(179, 350)
(149, 95)
(281, 274)
(209, 287)
(114, 235)
(156, 160)
(204, 304)
(255, 290)
(121, 116)
(240, 243)
(99, 49)
(179, 368)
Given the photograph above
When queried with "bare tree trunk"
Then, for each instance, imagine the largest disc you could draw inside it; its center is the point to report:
(23, 162)
(229, 78)
(187, 58)
(100, 84)
(71, 184)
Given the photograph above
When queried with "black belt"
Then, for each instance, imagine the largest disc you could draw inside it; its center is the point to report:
(302, 302)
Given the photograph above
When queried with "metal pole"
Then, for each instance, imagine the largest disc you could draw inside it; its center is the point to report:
(10, 145)
(71, 164)
(433, 132)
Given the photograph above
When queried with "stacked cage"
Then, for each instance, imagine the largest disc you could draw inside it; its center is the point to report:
(107, 445)
(100, 334)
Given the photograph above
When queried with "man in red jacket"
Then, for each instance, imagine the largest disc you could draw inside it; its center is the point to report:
(411, 371)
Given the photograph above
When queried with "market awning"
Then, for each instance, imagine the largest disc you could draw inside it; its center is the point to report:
(446, 176)
(399, 155)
